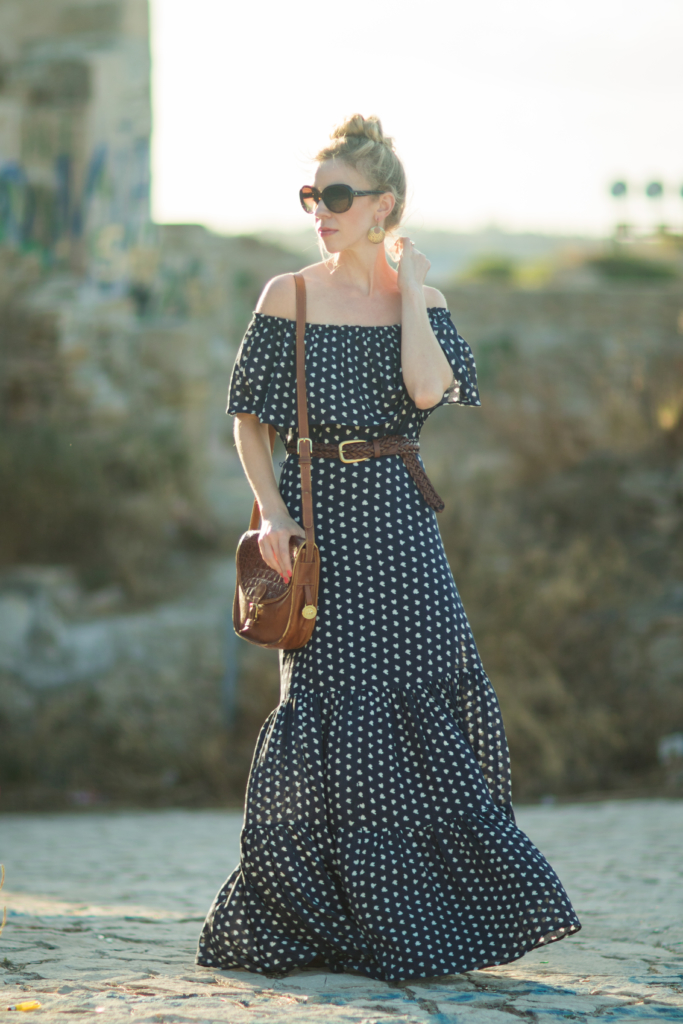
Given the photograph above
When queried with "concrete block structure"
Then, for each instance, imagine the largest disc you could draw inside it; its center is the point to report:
(75, 125)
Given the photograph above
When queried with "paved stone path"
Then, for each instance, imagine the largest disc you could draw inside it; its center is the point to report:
(104, 911)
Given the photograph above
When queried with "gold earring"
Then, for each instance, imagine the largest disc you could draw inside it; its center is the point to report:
(376, 234)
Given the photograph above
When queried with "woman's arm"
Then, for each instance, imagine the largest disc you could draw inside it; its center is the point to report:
(426, 370)
(277, 526)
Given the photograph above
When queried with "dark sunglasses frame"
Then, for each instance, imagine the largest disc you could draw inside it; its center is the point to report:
(339, 205)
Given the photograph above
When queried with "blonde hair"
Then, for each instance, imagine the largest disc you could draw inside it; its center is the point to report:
(361, 143)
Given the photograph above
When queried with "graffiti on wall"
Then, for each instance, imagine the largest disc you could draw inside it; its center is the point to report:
(106, 210)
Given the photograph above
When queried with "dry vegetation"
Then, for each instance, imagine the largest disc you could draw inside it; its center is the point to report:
(566, 540)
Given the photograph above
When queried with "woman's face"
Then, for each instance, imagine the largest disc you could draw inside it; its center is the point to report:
(339, 231)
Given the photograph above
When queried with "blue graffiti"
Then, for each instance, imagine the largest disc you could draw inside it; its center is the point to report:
(63, 212)
(13, 191)
(63, 197)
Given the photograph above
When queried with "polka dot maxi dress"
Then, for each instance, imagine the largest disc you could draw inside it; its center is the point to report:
(379, 835)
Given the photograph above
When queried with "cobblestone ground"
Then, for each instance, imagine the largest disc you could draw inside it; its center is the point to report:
(104, 910)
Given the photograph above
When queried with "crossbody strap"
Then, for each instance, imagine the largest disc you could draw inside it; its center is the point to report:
(304, 443)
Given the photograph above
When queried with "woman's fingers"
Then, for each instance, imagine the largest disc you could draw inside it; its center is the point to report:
(409, 246)
(284, 557)
(413, 265)
(275, 550)
(268, 555)
(409, 252)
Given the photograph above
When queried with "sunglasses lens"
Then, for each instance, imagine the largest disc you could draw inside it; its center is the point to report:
(308, 199)
(337, 198)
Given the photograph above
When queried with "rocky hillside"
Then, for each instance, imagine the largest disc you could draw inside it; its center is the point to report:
(120, 678)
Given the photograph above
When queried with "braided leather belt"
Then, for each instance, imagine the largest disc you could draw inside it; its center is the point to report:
(353, 450)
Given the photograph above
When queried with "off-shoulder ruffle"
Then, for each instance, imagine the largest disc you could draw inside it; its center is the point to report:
(355, 381)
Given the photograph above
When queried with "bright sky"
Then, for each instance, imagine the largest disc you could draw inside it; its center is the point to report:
(518, 113)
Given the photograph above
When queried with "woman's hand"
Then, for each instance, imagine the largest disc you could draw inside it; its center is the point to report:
(273, 541)
(413, 265)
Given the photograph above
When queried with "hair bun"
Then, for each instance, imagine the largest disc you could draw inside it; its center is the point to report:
(364, 128)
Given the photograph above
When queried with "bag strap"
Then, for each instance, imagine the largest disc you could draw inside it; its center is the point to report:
(304, 443)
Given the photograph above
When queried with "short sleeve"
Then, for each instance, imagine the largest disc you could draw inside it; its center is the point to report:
(260, 382)
(463, 390)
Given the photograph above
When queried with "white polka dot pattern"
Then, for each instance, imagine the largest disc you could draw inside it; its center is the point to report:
(353, 374)
(379, 834)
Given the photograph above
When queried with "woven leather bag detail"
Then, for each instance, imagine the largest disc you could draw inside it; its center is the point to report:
(252, 571)
(267, 611)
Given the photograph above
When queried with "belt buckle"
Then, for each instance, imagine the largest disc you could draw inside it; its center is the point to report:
(353, 440)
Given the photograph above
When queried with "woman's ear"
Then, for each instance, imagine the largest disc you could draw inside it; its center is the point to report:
(387, 202)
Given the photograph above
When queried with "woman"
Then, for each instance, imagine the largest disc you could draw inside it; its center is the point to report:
(379, 834)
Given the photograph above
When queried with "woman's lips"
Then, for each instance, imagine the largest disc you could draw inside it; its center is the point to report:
(324, 232)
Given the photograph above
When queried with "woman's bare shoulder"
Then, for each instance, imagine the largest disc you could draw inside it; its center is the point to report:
(433, 297)
(278, 298)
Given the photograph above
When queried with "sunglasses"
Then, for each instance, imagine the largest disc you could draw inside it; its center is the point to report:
(337, 198)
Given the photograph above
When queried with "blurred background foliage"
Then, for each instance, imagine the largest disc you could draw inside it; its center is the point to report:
(565, 535)
(563, 526)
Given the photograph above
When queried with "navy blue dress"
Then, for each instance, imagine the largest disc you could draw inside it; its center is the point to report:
(379, 835)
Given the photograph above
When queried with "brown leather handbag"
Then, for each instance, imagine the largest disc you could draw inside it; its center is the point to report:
(266, 610)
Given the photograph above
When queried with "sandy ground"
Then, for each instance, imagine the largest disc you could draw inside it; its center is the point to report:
(104, 910)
